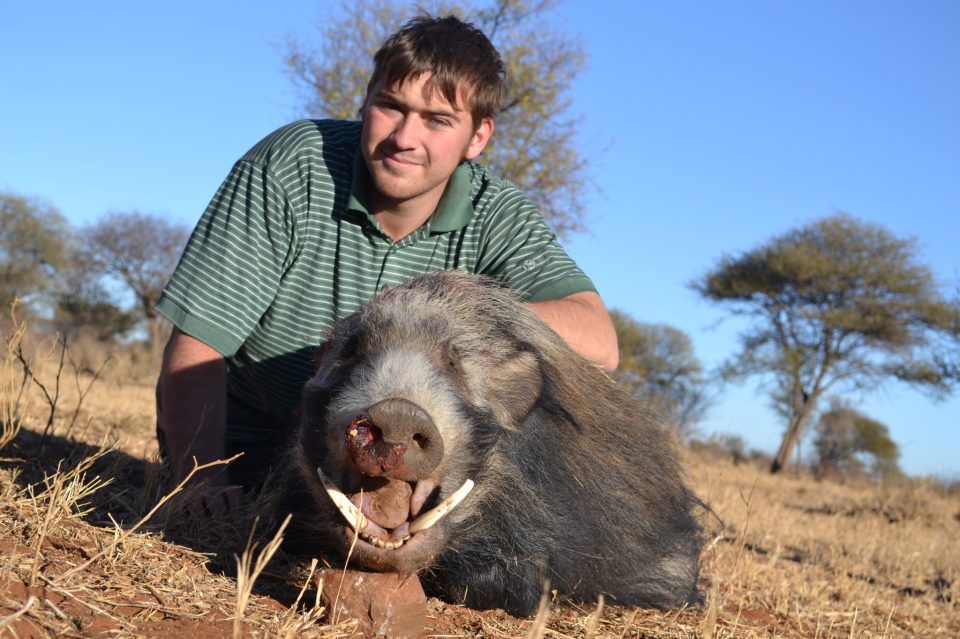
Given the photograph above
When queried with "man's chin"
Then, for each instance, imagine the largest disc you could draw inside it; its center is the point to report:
(390, 188)
(391, 191)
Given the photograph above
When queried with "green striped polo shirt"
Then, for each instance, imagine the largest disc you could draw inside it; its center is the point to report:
(287, 247)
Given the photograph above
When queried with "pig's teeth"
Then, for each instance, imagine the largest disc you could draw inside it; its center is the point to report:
(435, 514)
(358, 520)
(380, 543)
(351, 513)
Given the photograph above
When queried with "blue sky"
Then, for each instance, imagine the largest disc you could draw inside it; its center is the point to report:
(711, 127)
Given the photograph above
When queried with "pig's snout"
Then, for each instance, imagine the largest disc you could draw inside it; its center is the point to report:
(395, 438)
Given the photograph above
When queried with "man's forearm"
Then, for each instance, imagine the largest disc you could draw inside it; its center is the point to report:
(582, 320)
(193, 406)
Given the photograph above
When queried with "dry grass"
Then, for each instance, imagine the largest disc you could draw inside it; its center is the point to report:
(92, 544)
(821, 559)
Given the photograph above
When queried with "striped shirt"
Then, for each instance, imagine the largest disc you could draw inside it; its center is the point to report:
(287, 247)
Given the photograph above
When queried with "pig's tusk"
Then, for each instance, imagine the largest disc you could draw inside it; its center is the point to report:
(435, 514)
(351, 513)
(358, 521)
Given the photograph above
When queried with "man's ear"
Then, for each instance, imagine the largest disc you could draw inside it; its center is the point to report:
(479, 139)
(362, 111)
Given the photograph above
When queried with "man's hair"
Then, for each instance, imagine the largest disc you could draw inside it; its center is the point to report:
(457, 55)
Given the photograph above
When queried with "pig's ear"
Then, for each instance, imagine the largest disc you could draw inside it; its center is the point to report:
(515, 387)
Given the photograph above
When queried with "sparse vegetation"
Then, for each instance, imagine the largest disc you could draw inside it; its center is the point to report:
(34, 242)
(84, 550)
(140, 250)
(658, 366)
(840, 304)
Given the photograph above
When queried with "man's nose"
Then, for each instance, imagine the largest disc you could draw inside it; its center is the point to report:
(406, 132)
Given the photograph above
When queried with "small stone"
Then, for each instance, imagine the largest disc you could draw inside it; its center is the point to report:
(385, 604)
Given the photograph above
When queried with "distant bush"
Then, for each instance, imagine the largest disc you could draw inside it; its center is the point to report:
(849, 442)
(722, 446)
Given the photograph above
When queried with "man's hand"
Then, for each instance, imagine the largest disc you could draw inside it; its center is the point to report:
(582, 320)
(210, 496)
(216, 502)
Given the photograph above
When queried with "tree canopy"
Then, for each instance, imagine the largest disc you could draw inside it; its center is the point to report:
(837, 301)
(658, 365)
(534, 144)
(34, 245)
(141, 250)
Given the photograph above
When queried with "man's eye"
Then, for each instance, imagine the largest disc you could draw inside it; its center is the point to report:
(439, 122)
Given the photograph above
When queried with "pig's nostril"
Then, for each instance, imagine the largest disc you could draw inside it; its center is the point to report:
(364, 430)
(401, 440)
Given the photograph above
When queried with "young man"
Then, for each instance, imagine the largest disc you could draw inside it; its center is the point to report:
(318, 217)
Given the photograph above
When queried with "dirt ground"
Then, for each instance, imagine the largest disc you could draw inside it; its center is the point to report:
(85, 552)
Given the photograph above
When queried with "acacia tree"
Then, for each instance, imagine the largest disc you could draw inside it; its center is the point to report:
(34, 245)
(140, 250)
(836, 302)
(534, 144)
(658, 365)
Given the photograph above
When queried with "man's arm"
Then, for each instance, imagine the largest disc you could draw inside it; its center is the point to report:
(582, 320)
(193, 402)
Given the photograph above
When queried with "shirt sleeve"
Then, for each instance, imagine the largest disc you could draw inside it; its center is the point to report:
(234, 260)
(519, 248)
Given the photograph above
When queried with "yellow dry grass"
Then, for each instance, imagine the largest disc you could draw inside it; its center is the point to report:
(84, 552)
(819, 559)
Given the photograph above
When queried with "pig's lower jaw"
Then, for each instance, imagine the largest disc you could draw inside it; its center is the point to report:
(419, 552)
(372, 533)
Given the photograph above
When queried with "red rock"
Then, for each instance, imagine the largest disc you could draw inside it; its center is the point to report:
(385, 604)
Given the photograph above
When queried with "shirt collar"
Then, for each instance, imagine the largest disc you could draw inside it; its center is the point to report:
(454, 209)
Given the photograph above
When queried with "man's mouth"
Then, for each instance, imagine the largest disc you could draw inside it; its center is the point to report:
(392, 532)
(398, 161)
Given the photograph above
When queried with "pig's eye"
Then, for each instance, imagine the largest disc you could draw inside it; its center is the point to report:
(347, 351)
(451, 359)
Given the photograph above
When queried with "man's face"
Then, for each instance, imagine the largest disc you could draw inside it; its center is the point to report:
(412, 142)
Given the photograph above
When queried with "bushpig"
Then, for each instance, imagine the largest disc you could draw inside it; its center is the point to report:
(450, 378)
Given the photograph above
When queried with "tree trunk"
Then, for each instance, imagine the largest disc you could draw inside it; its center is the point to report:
(791, 437)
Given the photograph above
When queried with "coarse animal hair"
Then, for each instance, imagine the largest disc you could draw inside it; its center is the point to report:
(575, 481)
